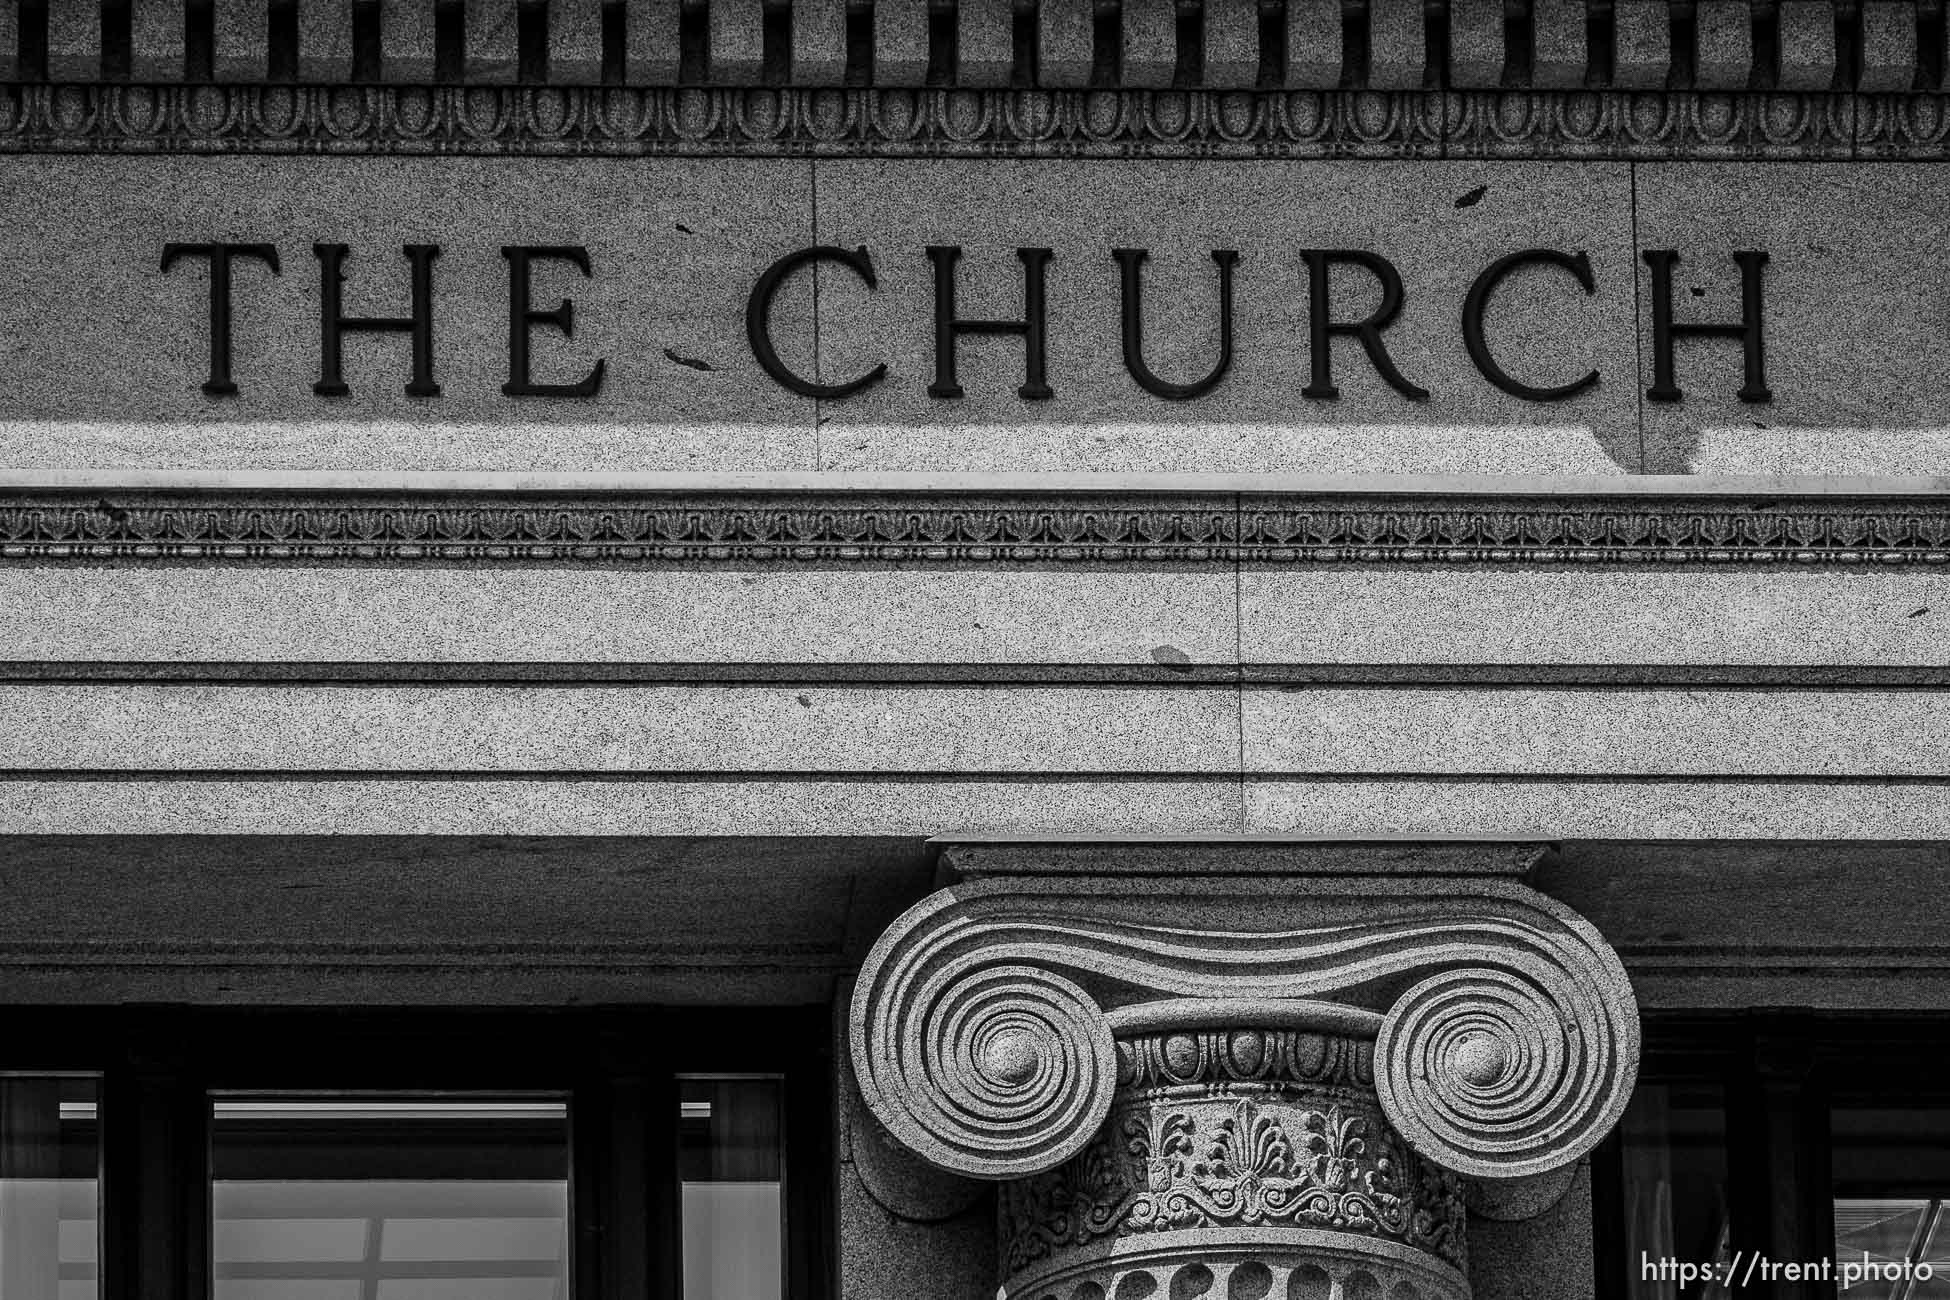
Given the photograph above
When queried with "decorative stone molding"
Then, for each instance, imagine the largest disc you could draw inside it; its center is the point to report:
(937, 122)
(751, 121)
(984, 1018)
(1221, 1126)
(225, 527)
(1693, 126)
(1243, 1084)
(979, 78)
(1716, 45)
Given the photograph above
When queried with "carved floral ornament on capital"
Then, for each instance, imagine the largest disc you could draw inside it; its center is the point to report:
(1208, 1096)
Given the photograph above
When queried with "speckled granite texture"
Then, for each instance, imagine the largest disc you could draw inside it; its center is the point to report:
(676, 245)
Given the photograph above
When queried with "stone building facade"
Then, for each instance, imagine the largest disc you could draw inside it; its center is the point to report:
(1062, 649)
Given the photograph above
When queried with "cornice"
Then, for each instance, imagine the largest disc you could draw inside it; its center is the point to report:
(269, 527)
(1669, 79)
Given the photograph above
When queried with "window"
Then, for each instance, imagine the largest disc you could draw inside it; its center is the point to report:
(301, 1155)
(386, 1198)
(731, 1161)
(1673, 1164)
(49, 1188)
(1767, 1140)
(1891, 1171)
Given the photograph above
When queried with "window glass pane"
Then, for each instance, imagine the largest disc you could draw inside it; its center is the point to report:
(48, 1190)
(390, 1198)
(1892, 1175)
(1674, 1151)
(733, 1167)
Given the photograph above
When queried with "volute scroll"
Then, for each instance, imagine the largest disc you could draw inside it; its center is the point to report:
(987, 1020)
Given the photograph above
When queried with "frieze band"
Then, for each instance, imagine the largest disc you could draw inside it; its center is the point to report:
(264, 527)
(549, 121)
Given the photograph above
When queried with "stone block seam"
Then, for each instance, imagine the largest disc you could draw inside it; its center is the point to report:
(1878, 46)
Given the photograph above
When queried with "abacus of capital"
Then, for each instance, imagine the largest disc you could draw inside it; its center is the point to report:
(1286, 1080)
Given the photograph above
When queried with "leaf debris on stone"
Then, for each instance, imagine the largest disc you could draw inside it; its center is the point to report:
(1171, 657)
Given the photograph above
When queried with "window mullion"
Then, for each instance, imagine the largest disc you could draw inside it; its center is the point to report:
(591, 1207)
(1818, 1200)
(812, 1174)
(662, 1232)
(624, 1178)
(637, 1165)
(1776, 1134)
(155, 1185)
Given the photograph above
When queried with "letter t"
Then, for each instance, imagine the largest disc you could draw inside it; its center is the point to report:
(219, 384)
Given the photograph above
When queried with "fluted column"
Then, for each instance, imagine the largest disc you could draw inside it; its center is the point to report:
(1244, 1088)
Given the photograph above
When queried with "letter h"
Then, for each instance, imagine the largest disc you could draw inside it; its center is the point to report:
(333, 322)
(1664, 329)
(948, 327)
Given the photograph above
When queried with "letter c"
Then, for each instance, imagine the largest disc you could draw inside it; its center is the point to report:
(1472, 321)
(758, 318)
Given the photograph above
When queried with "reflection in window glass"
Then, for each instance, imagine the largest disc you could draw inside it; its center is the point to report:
(732, 1165)
(48, 1189)
(1892, 1174)
(370, 1199)
(1887, 1239)
(1674, 1149)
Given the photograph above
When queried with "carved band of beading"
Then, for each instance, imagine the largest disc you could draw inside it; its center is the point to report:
(1507, 1043)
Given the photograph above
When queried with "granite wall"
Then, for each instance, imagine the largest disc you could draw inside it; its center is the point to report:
(869, 699)
(1852, 307)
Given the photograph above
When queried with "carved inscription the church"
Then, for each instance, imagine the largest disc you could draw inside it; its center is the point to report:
(1323, 274)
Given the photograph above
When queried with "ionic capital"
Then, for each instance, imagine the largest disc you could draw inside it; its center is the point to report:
(987, 1020)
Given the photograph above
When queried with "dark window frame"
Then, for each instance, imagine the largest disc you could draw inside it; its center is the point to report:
(1782, 1074)
(617, 1067)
